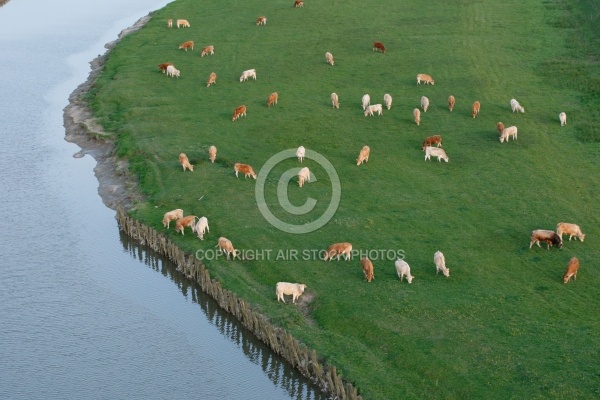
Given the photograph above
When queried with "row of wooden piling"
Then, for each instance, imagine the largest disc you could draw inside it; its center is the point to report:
(280, 341)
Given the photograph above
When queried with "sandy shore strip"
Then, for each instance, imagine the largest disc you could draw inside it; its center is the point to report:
(116, 184)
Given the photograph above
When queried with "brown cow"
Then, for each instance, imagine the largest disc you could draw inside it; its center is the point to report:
(212, 79)
(363, 156)
(187, 45)
(207, 50)
(431, 140)
(367, 267)
(183, 222)
(500, 128)
(239, 112)
(244, 169)
(272, 99)
(572, 269)
(338, 249)
(163, 66)
(226, 247)
(475, 109)
(378, 46)
(569, 229)
(185, 163)
(172, 216)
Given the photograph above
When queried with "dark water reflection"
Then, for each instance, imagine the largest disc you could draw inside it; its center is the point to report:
(273, 366)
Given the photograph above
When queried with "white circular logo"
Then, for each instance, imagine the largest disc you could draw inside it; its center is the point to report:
(282, 197)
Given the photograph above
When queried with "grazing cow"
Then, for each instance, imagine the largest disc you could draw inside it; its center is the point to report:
(290, 289)
(250, 73)
(244, 169)
(424, 103)
(185, 163)
(187, 45)
(403, 269)
(202, 227)
(262, 20)
(338, 249)
(272, 99)
(208, 50)
(226, 247)
(183, 22)
(212, 153)
(387, 100)
(239, 112)
(436, 152)
(569, 229)
(172, 216)
(431, 140)
(172, 71)
(451, 102)
(378, 108)
(366, 101)
(500, 127)
(572, 269)
(475, 109)
(212, 79)
(514, 104)
(300, 153)
(303, 176)
(507, 133)
(298, 3)
(440, 264)
(563, 118)
(367, 267)
(170, 23)
(163, 66)
(363, 156)
(335, 102)
(417, 115)
(184, 222)
(426, 79)
(329, 58)
(378, 46)
(543, 235)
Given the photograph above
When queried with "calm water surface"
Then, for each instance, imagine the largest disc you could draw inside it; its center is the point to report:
(84, 312)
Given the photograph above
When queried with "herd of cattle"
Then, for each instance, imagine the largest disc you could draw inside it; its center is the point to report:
(431, 145)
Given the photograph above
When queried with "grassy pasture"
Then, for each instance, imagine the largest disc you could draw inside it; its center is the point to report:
(503, 325)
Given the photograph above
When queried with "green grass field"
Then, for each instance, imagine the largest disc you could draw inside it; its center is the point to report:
(504, 325)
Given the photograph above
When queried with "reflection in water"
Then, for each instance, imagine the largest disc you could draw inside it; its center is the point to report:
(273, 366)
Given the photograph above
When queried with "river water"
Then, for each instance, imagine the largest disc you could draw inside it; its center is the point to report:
(84, 312)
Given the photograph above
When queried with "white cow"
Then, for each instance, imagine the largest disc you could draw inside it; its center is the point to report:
(440, 264)
(335, 102)
(424, 103)
(403, 269)
(366, 101)
(300, 153)
(387, 100)
(290, 289)
(250, 73)
(436, 152)
(172, 71)
(563, 118)
(201, 227)
(514, 104)
(507, 133)
(303, 176)
(378, 108)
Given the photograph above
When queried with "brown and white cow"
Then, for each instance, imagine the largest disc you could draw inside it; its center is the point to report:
(432, 140)
(273, 97)
(426, 79)
(207, 50)
(187, 45)
(363, 156)
(338, 249)
(451, 102)
(298, 3)
(239, 112)
(378, 46)
(183, 22)
(335, 102)
(572, 269)
(475, 109)
(185, 163)
(244, 169)
(543, 235)
(329, 58)
(226, 247)
(262, 20)
(212, 79)
(367, 267)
